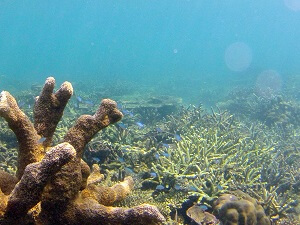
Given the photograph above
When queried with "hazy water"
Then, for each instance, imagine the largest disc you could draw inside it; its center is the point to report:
(180, 46)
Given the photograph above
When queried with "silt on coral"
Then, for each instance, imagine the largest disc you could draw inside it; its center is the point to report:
(52, 184)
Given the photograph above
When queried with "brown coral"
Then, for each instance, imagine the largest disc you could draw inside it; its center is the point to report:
(49, 108)
(29, 149)
(232, 210)
(54, 185)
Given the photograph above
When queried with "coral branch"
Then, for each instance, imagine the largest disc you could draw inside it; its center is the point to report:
(108, 195)
(7, 182)
(3, 203)
(90, 212)
(95, 176)
(85, 173)
(87, 126)
(78, 136)
(27, 193)
(49, 108)
(29, 150)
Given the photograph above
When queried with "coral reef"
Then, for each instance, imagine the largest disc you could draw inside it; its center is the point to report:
(187, 158)
(53, 185)
(276, 110)
(215, 154)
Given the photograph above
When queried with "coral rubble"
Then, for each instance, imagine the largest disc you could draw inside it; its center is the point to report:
(53, 185)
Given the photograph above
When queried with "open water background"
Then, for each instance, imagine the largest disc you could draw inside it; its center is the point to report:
(178, 47)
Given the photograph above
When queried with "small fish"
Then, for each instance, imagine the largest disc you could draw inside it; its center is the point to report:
(89, 102)
(127, 112)
(203, 207)
(79, 99)
(41, 140)
(220, 188)
(156, 155)
(192, 188)
(29, 106)
(153, 174)
(96, 159)
(166, 145)
(119, 105)
(160, 187)
(159, 130)
(177, 187)
(121, 160)
(122, 125)
(177, 137)
(128, 170)
(131, 114)
(165, 154)
(76, 105)
(140, 125)
(21, 104)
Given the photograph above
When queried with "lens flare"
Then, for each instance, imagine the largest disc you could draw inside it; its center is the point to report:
(238, 56)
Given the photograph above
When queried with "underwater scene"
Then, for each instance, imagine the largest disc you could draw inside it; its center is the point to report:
(147, 112)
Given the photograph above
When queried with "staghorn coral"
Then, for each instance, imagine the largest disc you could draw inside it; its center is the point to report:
(218, 153)
(50, 180)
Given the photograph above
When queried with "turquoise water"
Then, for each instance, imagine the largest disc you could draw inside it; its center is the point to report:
(177, 46)
(239, 58)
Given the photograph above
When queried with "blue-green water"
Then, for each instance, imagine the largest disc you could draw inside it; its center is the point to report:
(174, 46)
(239, 58)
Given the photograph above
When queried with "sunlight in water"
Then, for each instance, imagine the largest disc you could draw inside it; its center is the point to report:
(238, 56)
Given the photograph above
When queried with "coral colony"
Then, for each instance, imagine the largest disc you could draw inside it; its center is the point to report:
(52, 184)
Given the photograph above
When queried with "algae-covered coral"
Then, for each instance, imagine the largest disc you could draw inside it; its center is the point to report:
(53, 185)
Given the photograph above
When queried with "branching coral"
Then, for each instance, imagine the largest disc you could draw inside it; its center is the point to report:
(216, 151)
(270, 110)
(53, 183)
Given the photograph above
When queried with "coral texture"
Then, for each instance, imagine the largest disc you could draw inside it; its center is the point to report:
(53, 185)
(49, 108)
(29, 150)
(233, 210)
